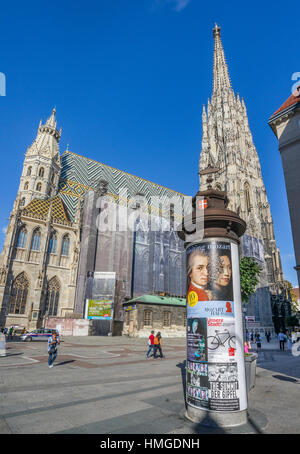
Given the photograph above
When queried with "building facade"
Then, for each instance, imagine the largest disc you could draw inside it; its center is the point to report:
(229, 153)
(55, 246)
(285, 123)
(154, 312)
(39, 260)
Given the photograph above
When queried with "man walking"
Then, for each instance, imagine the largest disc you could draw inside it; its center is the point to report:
(281, 338)
(53, 342)
(151, 345)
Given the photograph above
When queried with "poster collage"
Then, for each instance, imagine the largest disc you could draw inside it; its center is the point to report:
(212, 371)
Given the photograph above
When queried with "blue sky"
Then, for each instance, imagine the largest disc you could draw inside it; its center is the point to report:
(129, 78)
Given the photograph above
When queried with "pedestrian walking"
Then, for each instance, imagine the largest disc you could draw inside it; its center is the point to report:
(151, 345)
(10, 332)
(158, 345)
(258, 342)
(281, 338)
(268, 336)
(53, 343)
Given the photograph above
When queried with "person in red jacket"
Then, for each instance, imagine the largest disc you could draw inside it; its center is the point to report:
(198, 273)
(151, 345)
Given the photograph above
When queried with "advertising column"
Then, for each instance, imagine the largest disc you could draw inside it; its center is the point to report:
(215, 364)
(216, 382)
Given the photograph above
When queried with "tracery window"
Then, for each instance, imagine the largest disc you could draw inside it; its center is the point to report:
(41, 172)
(39, 187)
(65, 245)
(18, 297)
(26, 185)
(29, 171)
(52, 243)
(36, 240)
(22, 237)
(22, 203)
(52, 297)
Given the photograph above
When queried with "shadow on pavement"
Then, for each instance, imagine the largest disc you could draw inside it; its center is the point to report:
(182, 367)
(284, 378)
(64, 362)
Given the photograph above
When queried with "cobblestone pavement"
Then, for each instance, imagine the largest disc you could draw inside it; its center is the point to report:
(103, 385)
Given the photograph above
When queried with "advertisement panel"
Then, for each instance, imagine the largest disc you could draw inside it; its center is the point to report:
(100, 306)
(213, 353)
(99, 309)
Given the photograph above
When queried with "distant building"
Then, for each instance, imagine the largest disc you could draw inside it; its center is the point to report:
(285, 123)
(155, 312)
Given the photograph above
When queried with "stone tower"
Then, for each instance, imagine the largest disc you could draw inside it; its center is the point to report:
(228, 148)
(39, 260)
(42, 166)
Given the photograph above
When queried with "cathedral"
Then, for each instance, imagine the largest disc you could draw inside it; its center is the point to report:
(228, 150)
(54, 251)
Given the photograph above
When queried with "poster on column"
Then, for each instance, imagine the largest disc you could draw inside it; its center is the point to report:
(212, 377)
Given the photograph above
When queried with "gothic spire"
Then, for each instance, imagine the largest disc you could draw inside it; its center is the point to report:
(51, 120)
(220, 72)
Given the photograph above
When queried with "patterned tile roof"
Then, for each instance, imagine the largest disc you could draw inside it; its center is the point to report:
(80, 174)
(40, 208)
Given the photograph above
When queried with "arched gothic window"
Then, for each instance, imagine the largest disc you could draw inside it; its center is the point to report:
(65, 246)
(29, 171)
(22, 203)
(22, 237)
(26, 186)
(39, 187)
(18, 297)
(52, 297)
(52, 177)
(247, 197)
(41, 172)
(36, 240)
(52, 243)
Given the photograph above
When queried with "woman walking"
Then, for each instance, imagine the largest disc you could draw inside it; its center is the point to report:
(53, 343)
(158, 345)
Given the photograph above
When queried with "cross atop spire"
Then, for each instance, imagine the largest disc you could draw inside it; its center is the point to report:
(220, 74)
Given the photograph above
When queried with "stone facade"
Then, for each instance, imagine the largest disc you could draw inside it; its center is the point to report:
(39, 260)
(228, 149)
(170, 320)
(285, 123)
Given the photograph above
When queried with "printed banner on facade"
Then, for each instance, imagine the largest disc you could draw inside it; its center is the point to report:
(99, 309)
(100, 306)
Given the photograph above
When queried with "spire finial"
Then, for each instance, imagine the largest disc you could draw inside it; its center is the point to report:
(216, 30)
(220, 74)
